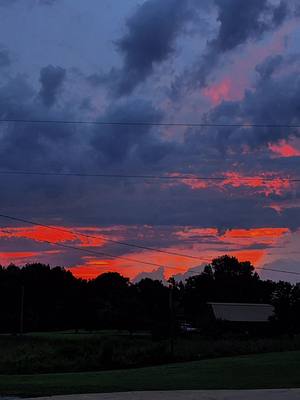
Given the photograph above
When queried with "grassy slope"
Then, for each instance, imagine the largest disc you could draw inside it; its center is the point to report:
(272, 370)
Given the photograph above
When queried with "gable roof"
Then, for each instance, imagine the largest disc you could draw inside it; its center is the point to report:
(242, 312)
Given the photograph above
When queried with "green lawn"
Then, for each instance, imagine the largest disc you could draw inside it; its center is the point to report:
(271, 370)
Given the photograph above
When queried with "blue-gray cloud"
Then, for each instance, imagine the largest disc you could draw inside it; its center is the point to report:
(149, 40)
(51, 79)
(151, 34)
(273, 101)
(240, 21)
(39, 2)
(116, 144)
(5, 59)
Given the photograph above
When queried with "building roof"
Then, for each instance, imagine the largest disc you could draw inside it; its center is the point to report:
(242, 312)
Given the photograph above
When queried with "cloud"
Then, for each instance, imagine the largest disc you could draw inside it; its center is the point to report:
(273, 100)
(152, 32)
(47, 2)
(44, 146)
(7, 2)
(241, 21)
(157, 275)
(190, 273)
(255, 18)
(149, 40)
(114, 149)
(269, 66)
(116, 144)
(5, 60)
(287, 264)
(38, 2)
(51, 79)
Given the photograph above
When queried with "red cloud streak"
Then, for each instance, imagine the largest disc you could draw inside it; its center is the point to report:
(234, 242)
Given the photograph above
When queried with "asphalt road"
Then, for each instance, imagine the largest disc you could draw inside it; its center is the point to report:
(280, 394)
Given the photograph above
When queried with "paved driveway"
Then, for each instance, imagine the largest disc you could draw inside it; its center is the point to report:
(281, 394)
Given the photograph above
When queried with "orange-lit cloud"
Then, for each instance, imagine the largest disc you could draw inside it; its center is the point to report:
(254, 256)
(191, 181)
(266, 183)
(264, 235)
(202, 232)
(283, 149)
(92, 267)
(234, 242)
(14, 257)
(58, 234)
(283, 205)
(202, 243)
(243, 237)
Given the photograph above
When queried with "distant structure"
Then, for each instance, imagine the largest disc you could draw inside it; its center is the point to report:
(241, 312)
(240, 318)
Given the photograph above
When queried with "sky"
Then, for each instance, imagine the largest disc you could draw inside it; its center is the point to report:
(172, 62)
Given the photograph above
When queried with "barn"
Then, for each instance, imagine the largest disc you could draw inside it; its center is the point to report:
(242, 318)
(241, 312)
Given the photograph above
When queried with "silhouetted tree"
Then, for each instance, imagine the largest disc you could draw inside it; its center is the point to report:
(54, 299)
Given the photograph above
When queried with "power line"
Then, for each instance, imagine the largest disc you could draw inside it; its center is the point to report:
(279, 270)
(94, 252)
(187, 177)
(102, 237)
(148, 123)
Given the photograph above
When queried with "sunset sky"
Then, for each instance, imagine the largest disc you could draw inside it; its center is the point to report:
(160, 62)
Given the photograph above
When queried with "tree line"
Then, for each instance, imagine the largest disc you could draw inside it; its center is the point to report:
(36, 297)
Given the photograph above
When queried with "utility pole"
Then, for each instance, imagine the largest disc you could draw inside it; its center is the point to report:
(171, 308)
(22, 310)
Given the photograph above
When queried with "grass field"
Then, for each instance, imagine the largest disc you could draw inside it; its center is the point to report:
(62, 352)
(272, 370)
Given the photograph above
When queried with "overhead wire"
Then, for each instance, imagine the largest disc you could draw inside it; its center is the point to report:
(180, 176)
(151, 123)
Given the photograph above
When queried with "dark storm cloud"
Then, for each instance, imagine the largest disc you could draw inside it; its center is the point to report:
(153, 29)
(127, 148)
(106, 149)
(269, 66)
(51, 79)
(48, 148)
(156, 207)
(273, 101)
(150, 39)
(5, 59)
(27, 145)
(240, 21)
(116, 144)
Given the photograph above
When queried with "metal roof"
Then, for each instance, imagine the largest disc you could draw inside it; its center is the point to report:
(242, 312)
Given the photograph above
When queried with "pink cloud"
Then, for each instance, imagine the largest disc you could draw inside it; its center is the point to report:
(219, 92)
(283, 149)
